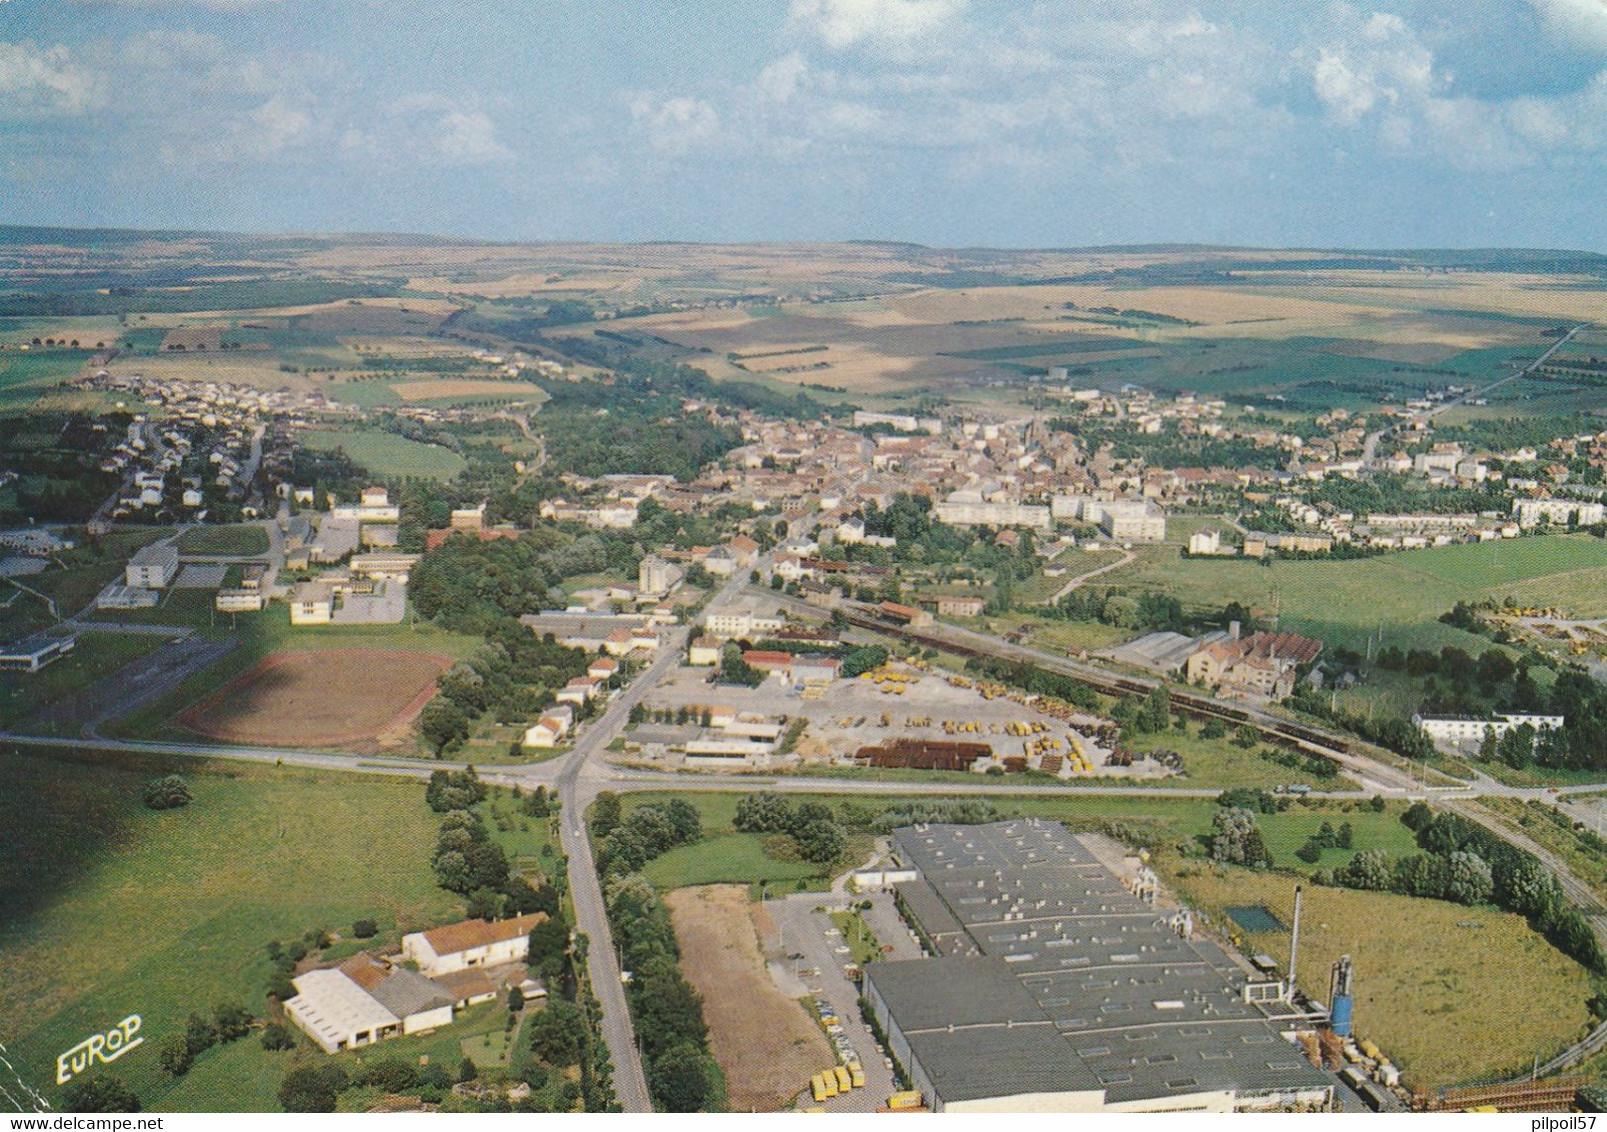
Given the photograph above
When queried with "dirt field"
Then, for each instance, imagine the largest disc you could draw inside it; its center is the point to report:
(431, 390)
(765, 1042)
(319, 698)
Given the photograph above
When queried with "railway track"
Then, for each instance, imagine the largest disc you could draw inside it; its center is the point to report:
(1286, 732)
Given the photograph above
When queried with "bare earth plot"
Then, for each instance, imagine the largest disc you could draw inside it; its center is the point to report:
(765, 1043)
(319, 698)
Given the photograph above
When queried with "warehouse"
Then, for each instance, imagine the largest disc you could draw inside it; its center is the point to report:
(1060, 991)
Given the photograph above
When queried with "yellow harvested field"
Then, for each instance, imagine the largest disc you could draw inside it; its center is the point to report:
(764, 1041)
(447, 387)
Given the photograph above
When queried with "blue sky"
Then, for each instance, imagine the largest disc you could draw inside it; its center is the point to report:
(1400, 123)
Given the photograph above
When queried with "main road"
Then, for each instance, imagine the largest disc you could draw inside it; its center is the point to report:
(1370, 445)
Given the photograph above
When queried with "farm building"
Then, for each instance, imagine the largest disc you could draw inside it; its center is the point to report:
(366, 1000)
(471, 943)
(1061, 991)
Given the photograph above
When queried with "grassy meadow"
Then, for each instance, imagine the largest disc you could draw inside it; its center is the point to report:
(111, 909)
(387, 454)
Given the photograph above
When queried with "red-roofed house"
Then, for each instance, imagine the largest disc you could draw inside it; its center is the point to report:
(471, 943)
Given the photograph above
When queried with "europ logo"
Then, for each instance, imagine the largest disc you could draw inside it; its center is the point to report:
(104, 1048)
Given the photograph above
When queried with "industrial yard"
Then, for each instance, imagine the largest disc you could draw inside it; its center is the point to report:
(900, 716)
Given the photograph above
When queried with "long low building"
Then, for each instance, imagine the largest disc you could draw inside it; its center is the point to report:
(1466, 728)
(1058, 990)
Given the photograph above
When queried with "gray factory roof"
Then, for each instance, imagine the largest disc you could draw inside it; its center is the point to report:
(1106, 969)
(942, 927)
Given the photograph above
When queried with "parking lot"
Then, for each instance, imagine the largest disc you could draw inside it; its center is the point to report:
(810, 944)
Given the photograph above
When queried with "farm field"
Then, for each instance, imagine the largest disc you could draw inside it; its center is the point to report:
(25, 377)
(763, 1041)
(386, 454)
(1424, 986)
(449, 389)
(320, 698)
(194, 894)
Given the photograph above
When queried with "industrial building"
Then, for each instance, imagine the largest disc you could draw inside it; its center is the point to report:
(1056, 989)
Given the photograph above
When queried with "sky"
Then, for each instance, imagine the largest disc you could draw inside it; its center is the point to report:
(999, 123)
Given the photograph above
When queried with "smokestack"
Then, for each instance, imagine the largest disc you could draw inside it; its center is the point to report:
(1294, 946)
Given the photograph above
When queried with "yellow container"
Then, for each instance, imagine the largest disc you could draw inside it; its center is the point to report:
(818, 1085)
(844, 1081)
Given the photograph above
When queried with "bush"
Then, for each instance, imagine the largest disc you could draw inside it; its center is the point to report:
(276, 1036)
(169, 793)
(365, 929)
(100, 1093)
(312, 1088)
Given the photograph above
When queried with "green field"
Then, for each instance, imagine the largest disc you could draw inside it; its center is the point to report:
(23, 377)
(1450, 993)
(111, 909)
(234, 539)
(1399, 596)
(387, 454)
(730, 857)
(727, 858)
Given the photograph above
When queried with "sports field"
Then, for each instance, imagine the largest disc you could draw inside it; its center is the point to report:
(319, 698)
(111, 909)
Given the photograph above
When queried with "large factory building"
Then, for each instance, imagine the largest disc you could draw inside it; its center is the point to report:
(1055, 989)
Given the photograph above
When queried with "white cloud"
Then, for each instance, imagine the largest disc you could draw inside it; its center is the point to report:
(469, 139)
(39, 81)
(1582, 23)
(779, 81)
(676, 125)
(844, 23)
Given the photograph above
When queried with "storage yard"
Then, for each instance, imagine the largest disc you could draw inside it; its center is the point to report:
(905, 716)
